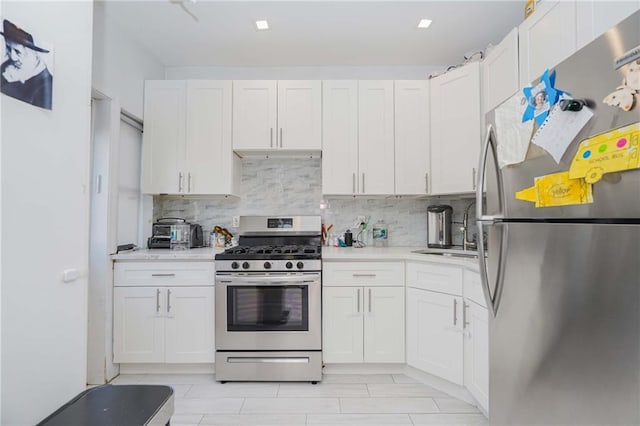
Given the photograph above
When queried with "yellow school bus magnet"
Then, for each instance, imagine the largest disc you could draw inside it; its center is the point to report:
(613, 151)
(557, 189)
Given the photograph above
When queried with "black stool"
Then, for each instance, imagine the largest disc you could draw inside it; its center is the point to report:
(116, 405)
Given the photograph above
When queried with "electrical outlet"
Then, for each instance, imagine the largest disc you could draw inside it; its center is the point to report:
(236, 221)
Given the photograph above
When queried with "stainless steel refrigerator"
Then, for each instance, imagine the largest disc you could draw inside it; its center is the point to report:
(563, 283)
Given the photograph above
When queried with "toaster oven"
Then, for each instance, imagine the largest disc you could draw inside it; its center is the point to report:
(161, 233)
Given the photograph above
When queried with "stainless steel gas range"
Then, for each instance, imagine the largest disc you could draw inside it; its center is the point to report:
(268, 301)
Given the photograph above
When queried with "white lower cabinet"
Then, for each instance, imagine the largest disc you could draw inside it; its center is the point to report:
(448, 326)
(159, 319)
(434, 334)
(363, 324)
(476, 352)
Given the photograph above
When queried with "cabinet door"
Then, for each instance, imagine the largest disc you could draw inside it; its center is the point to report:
(342, 324)
(384, 324)
(254, 114)
(209, 154)
(411, 137)
(541, 45)
(300, 115)
(455, 130)
(339, 137)
(190, 324)
(138, 324)
(375, 136)
(476, 363)
(434, 334)
(500, 77)
(163, 150)
(595, 17)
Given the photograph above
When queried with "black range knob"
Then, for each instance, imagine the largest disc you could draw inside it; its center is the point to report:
(300, 265)
(245, 265)
(289, 265)
(234, 265)
(267, 265)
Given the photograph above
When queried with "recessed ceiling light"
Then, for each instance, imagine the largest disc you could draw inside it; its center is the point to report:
(424, 23)
(262, 25)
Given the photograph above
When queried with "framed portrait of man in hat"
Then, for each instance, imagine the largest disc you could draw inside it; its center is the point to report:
(26, 72)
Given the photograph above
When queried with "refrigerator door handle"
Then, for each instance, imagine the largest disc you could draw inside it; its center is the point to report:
(489, 142)
(493, 301)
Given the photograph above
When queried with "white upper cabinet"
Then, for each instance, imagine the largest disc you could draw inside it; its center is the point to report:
(212, 167)
(163, 140)
(411, 137)
(500, 77)
(546, 38)
(187, 138)
(357, 147)
(271, 115)
(340, 137)
(375, 137)
(597, 16)
(254, 114)
(299, 115)
(455, 130)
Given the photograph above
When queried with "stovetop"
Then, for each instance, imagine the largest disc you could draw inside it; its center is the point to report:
(291, 252)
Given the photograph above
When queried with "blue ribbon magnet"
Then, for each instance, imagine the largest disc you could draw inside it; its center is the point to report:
(541, 98)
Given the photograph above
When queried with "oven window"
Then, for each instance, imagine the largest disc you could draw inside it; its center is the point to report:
(267, 308)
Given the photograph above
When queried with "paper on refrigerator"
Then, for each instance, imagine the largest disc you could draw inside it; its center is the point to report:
(560, 129)
(513, 135)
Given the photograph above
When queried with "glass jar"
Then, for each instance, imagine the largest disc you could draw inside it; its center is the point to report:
(380, 234)
(180, 237)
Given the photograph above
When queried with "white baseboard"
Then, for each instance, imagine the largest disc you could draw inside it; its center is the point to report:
(167, 368)
(363, 368)
(456, 391)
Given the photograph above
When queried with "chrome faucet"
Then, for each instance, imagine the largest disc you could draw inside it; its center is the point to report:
(466, 244)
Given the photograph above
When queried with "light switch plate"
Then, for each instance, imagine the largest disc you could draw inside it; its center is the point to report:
(236, 221)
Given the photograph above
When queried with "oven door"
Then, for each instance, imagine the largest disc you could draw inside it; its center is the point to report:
(274, 311)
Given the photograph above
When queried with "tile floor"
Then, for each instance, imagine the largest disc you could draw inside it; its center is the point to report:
(340, 399)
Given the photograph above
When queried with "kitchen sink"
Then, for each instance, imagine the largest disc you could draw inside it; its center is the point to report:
(448, 252)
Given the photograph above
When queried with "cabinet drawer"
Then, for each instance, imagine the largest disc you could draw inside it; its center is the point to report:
(473, 287)
(435, 277)
(363, 274)
(164, 273)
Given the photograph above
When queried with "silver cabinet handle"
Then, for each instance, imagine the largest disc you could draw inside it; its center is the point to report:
(465, 323)
(168, 301)
(363, 275)
(363, 183)
(163, 275)
(369, 300)
(271, 137)
(280, 137)
(98, 184)
(189, 183)
(426, 183)
(180, 182)
(358, 301)
(473, 178)
(157, 301)
(354, 182)
(455, 311)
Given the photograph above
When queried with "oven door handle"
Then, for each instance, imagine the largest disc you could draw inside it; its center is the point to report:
(270, 279)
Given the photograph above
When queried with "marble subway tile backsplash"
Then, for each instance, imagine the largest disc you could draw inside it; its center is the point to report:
(292, 186)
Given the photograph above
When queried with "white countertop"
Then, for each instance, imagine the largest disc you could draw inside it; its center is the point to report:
(448, 256)
(204, 253)
(329, 254)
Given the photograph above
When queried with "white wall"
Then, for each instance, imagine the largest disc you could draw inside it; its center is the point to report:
(45, 199)
(120, 65)
(303, 73)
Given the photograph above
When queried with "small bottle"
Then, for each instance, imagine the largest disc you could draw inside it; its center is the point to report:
(380, 234)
